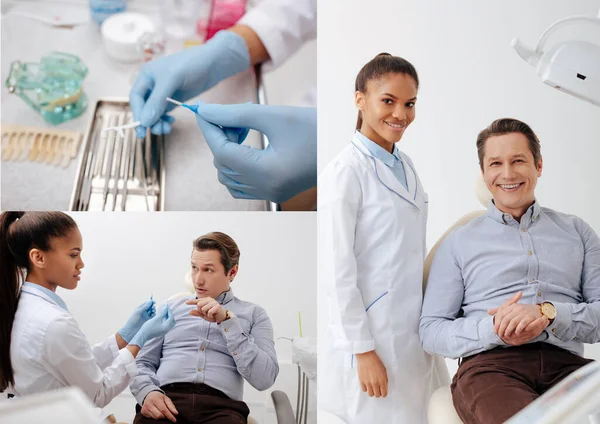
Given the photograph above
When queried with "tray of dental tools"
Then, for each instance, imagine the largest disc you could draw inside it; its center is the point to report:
(118, 171)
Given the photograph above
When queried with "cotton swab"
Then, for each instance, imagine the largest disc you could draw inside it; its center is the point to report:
(193, 108)
(120, 128)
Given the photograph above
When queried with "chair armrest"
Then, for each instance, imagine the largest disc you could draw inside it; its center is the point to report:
(283, 408)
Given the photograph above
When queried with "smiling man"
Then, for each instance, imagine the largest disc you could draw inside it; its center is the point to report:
(514, 293)
(196, 373)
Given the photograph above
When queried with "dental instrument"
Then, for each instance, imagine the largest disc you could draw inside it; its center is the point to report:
(569, 66)
(118, 171)
(194, 108)
(120, 128)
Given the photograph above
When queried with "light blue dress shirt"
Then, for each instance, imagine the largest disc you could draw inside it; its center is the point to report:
(218, 355)
(56, 298)
(549, 256)
(392, 160)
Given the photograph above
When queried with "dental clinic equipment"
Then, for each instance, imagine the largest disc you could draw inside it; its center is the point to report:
(53, 87)
(575, 400)
(42, 145)
(119, 128)
(571, 66)
(117, 170)
(242, 132)
(193, 108)
(68, 405)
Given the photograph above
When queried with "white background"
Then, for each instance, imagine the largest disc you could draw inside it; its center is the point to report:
(469, 76)
(130, 256)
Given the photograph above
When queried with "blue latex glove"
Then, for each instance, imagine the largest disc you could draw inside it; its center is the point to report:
(285, 168)
(184, 75)
(156, 327)
(141, 314)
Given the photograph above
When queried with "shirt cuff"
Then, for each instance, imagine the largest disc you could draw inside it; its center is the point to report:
(231, 328)
(562, 322)
(487, 337)
(129, 362)
(362, 347)
(141, 395)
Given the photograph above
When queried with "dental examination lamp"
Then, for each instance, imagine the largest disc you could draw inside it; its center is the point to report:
(570, 66)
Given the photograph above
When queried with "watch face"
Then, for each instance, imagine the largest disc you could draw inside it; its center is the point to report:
(549, 310)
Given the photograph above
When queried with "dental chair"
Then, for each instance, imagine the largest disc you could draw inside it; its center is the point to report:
(441, 409)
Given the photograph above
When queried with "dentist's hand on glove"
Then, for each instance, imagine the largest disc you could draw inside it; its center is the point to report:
(142, 313)
(184, 75)
(288, 166)
(157, 326)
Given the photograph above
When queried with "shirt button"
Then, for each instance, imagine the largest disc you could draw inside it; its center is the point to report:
(200, 369)
(539, 293)
(530, 253)
(202, 349)
(234, 353)
(574, 338)
(225, 330)
(532, 280)
(523, 230)
(507, 216)
(554, 330)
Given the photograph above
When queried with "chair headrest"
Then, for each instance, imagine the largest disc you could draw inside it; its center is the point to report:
(481, 191)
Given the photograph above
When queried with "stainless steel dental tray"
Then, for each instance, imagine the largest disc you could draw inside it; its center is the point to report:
(118, 173)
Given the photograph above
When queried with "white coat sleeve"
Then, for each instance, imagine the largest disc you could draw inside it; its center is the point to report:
(339, 205)
(282, 26)
(72, 361)
(106, 352)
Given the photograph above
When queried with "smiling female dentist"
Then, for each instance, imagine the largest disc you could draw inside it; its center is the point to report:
(372, 218)
(41, 346)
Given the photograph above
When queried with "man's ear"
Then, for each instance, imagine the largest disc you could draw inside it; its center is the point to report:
(233, 272)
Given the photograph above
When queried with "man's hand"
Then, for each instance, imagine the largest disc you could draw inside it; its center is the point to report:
(158, 406)
(530, 332)
(208, 309)
(517, 323)
(372, 374)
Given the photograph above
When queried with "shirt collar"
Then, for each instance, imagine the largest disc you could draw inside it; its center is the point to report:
(531, 215)
(53, 296)
(379, 152)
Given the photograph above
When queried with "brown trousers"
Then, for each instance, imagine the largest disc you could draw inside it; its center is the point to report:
(492, 386)
(199, 403)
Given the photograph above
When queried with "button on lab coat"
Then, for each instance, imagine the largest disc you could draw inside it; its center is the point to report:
(48, 351)
(372, 238)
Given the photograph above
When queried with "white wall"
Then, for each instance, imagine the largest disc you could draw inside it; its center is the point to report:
(469, 76)
(129, 256)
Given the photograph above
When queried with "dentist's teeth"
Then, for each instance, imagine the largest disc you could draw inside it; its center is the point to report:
(395, 125)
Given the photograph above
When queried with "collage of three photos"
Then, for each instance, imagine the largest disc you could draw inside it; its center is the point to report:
(299, 211)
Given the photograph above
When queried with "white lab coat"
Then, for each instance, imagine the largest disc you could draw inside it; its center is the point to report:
(372, 233)
(48, 351)
(284, 26)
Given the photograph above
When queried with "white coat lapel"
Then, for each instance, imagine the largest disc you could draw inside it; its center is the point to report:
(412, 181)
(387, 177)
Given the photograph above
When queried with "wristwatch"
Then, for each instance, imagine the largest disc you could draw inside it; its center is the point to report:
(548, 310)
